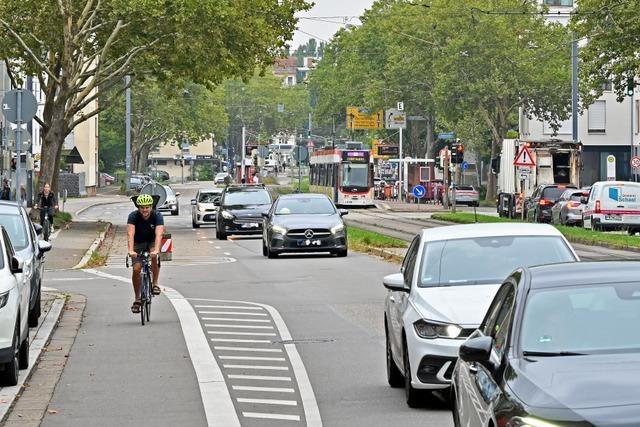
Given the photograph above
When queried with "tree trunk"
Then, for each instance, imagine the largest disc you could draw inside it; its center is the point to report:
(431, 137)
(51, 152)
(143, 156)
(491, 181)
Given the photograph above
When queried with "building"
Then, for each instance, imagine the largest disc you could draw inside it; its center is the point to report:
(169, 158)
(291, 74)
(605, 127)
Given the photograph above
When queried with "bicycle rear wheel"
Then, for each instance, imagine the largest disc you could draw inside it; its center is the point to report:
(46, 229)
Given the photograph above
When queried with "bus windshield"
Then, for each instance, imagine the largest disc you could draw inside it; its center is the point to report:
(355, 175)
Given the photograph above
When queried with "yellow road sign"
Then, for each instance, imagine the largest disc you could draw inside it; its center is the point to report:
(359, 118)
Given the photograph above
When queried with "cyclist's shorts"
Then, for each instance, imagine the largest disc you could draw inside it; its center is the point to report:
(140, 248)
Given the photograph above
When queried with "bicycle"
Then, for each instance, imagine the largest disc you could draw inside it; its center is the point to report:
(47, 225)
(146, 294)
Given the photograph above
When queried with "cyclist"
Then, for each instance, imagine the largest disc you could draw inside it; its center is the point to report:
(144, 234)
(47, 202)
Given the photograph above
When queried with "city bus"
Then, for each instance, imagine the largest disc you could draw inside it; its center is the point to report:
(346, 176)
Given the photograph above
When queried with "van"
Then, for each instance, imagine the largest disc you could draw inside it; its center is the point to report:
(613, 205)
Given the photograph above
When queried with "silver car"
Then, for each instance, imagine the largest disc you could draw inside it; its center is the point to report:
(465, 194)
(568, 209)
(204, 208)
(171, 204)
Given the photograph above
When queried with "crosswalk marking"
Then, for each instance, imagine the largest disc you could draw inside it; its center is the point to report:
(268, 401)
(257, 377)
(271, 416)
(217, 325)
(258, 367)
(265, 389)
(273, 359)
(237, 320)
(252, 334)
(243, 341)
(268, 350)
(233, 312)
(237, 307)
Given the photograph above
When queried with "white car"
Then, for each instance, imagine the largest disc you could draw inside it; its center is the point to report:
(171, 204)
(613, 205)
(14, 313)
(448, 278)
(204, 208)
(219, 178)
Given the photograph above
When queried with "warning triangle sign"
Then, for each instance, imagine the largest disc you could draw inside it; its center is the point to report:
(524, 158)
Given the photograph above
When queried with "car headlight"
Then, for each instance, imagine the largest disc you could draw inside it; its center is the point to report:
(430, 329)
(201, 209)
(279, 229)
(3, 299)
(529, 422)
(337, 228)
(227, 215)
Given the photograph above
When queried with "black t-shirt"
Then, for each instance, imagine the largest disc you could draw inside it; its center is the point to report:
(145, 229)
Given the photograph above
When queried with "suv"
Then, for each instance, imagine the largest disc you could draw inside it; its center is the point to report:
(241, 208)
(538, 206)
(30, 249)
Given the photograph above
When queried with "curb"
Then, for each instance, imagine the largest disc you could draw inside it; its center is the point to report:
(79, 211)
(8, 395)
(96, 243)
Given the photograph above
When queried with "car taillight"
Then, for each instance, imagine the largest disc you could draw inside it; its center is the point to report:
(574, 204)
(545, 202)
(597, 206)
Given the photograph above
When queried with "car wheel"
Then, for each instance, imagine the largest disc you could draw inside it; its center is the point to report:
(265, 250)
(410, 393)
(271, 254)
(23, 353)
(34, 313)
(194, 225)
(176, 212)
(342, 253)
(221, 235)
(454, 409)
(9, 376)
(394, 375)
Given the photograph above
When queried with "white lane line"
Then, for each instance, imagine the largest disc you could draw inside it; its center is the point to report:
(275, 359)
(217, 247)
(257, 367)
(66, 279)
(268, 350)
(232, 312)
(230, 319)
(265, 389)
(257, 377)
(218, 325)
(251, 334)
(216, 400)
(210, 242)
(243, 341)
(271, 416)
(227, 253)
(268, 401)
(236, 307)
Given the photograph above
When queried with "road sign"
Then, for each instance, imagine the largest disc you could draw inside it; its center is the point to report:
(300, 153)
(419, 191)
(524, 169)
(465, 165)
(400, 106)
(362, 119)
(635, 162)
(611, 167)
(395, 119)
(524, 157)
(447, 135)
(28, 105)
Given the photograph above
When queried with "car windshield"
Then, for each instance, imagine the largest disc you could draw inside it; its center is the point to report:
(15, 226)
(487, 260)
(221, 175)
(247, 197)
(305, 206)
(355, 175)
(464, 188)
(208, 197)
(601, 318)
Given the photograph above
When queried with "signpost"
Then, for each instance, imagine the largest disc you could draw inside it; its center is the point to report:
(419, 192)
(611, 167)
(524, 158)
(635, 162)
(361, 119)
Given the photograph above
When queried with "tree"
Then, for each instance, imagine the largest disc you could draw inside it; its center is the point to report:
(77, 48)
(611, 30)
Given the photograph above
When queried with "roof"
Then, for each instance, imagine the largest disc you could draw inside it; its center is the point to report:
(9, 207)
(488, 230)
(545, 276)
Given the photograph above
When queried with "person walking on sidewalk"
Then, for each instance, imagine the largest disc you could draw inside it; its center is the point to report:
(144, 234)
(5, 194)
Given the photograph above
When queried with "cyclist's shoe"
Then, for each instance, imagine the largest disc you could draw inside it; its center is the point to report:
(135, 308)
(155, 290)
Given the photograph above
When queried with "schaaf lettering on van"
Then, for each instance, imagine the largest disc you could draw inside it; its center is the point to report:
(613, 205)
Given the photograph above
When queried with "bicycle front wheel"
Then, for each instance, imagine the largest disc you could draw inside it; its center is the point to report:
(46, 229)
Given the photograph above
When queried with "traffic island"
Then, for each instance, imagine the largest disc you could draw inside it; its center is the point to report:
(377, 244)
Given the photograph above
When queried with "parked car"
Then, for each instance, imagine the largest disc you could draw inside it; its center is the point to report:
(304, 222)
(538, 206)
(138, 181)
(241, 209)
(559, 346)
(107, 178)
(159, 175)
(204, 208)
(31, 250)
(14, 309)
(568, 209)
(613, 205)
(171, 204)
(220, 178)
(447, 280)
(465, 195)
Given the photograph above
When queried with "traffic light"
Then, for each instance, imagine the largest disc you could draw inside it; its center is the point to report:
(630, 86)
(457, 152)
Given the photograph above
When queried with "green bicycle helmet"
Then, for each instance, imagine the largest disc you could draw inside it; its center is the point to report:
(144, 200)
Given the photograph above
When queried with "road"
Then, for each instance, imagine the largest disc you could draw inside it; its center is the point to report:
(235, 339)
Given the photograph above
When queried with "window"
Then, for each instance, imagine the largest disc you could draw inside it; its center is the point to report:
(500, 329)
(409, 262)
(607, 86)
(597, 117)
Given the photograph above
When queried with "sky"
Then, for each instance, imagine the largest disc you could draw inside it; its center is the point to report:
(327, 10)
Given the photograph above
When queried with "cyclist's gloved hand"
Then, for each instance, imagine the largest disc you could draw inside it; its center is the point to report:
(153, 253)
(133, 254)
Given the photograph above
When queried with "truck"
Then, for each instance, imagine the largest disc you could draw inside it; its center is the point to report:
(555, 162)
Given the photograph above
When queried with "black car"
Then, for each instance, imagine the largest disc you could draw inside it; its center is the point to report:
(24, 238)
(538, 206)
(304, 223)
(241, 209)
(559, 346)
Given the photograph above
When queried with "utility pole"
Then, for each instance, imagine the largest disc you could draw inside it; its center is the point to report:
(18, 145)
(400, 169)
(127, 158)
(30, 151)
(632, 169)
(242, 153)
(574, 90)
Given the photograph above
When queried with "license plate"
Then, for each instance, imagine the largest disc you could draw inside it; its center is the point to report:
(250, 225)
(613, 217)
(309, 242)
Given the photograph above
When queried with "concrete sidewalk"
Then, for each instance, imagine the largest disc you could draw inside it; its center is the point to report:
(71, 244)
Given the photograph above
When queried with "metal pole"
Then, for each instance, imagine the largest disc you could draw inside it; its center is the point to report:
(574, 90)
(242, 153)
(30, 171)
(400, 168)
(18, 143)
(632, 169)
(127, 158)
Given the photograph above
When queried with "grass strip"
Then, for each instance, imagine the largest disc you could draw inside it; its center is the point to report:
(371, 238)
(573, 234)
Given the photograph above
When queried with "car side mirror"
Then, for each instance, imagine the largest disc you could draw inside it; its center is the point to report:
(193, 202)
(177, 194)
(38, 229)
(265, 214)
(216, 202)
(44, 246)
(583, 200)
(16, 265)
(477, 349)
(395, 282)
(344, 212)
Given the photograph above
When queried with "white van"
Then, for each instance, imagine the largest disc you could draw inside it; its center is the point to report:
(613, 205)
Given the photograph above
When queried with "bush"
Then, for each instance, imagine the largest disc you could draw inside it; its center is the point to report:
(204, 173)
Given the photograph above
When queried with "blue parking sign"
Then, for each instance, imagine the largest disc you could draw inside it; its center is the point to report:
(419, 191)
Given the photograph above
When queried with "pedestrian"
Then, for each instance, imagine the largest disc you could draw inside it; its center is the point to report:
(5, 194)
(23, 195)
(243, 180)
(255, 179)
